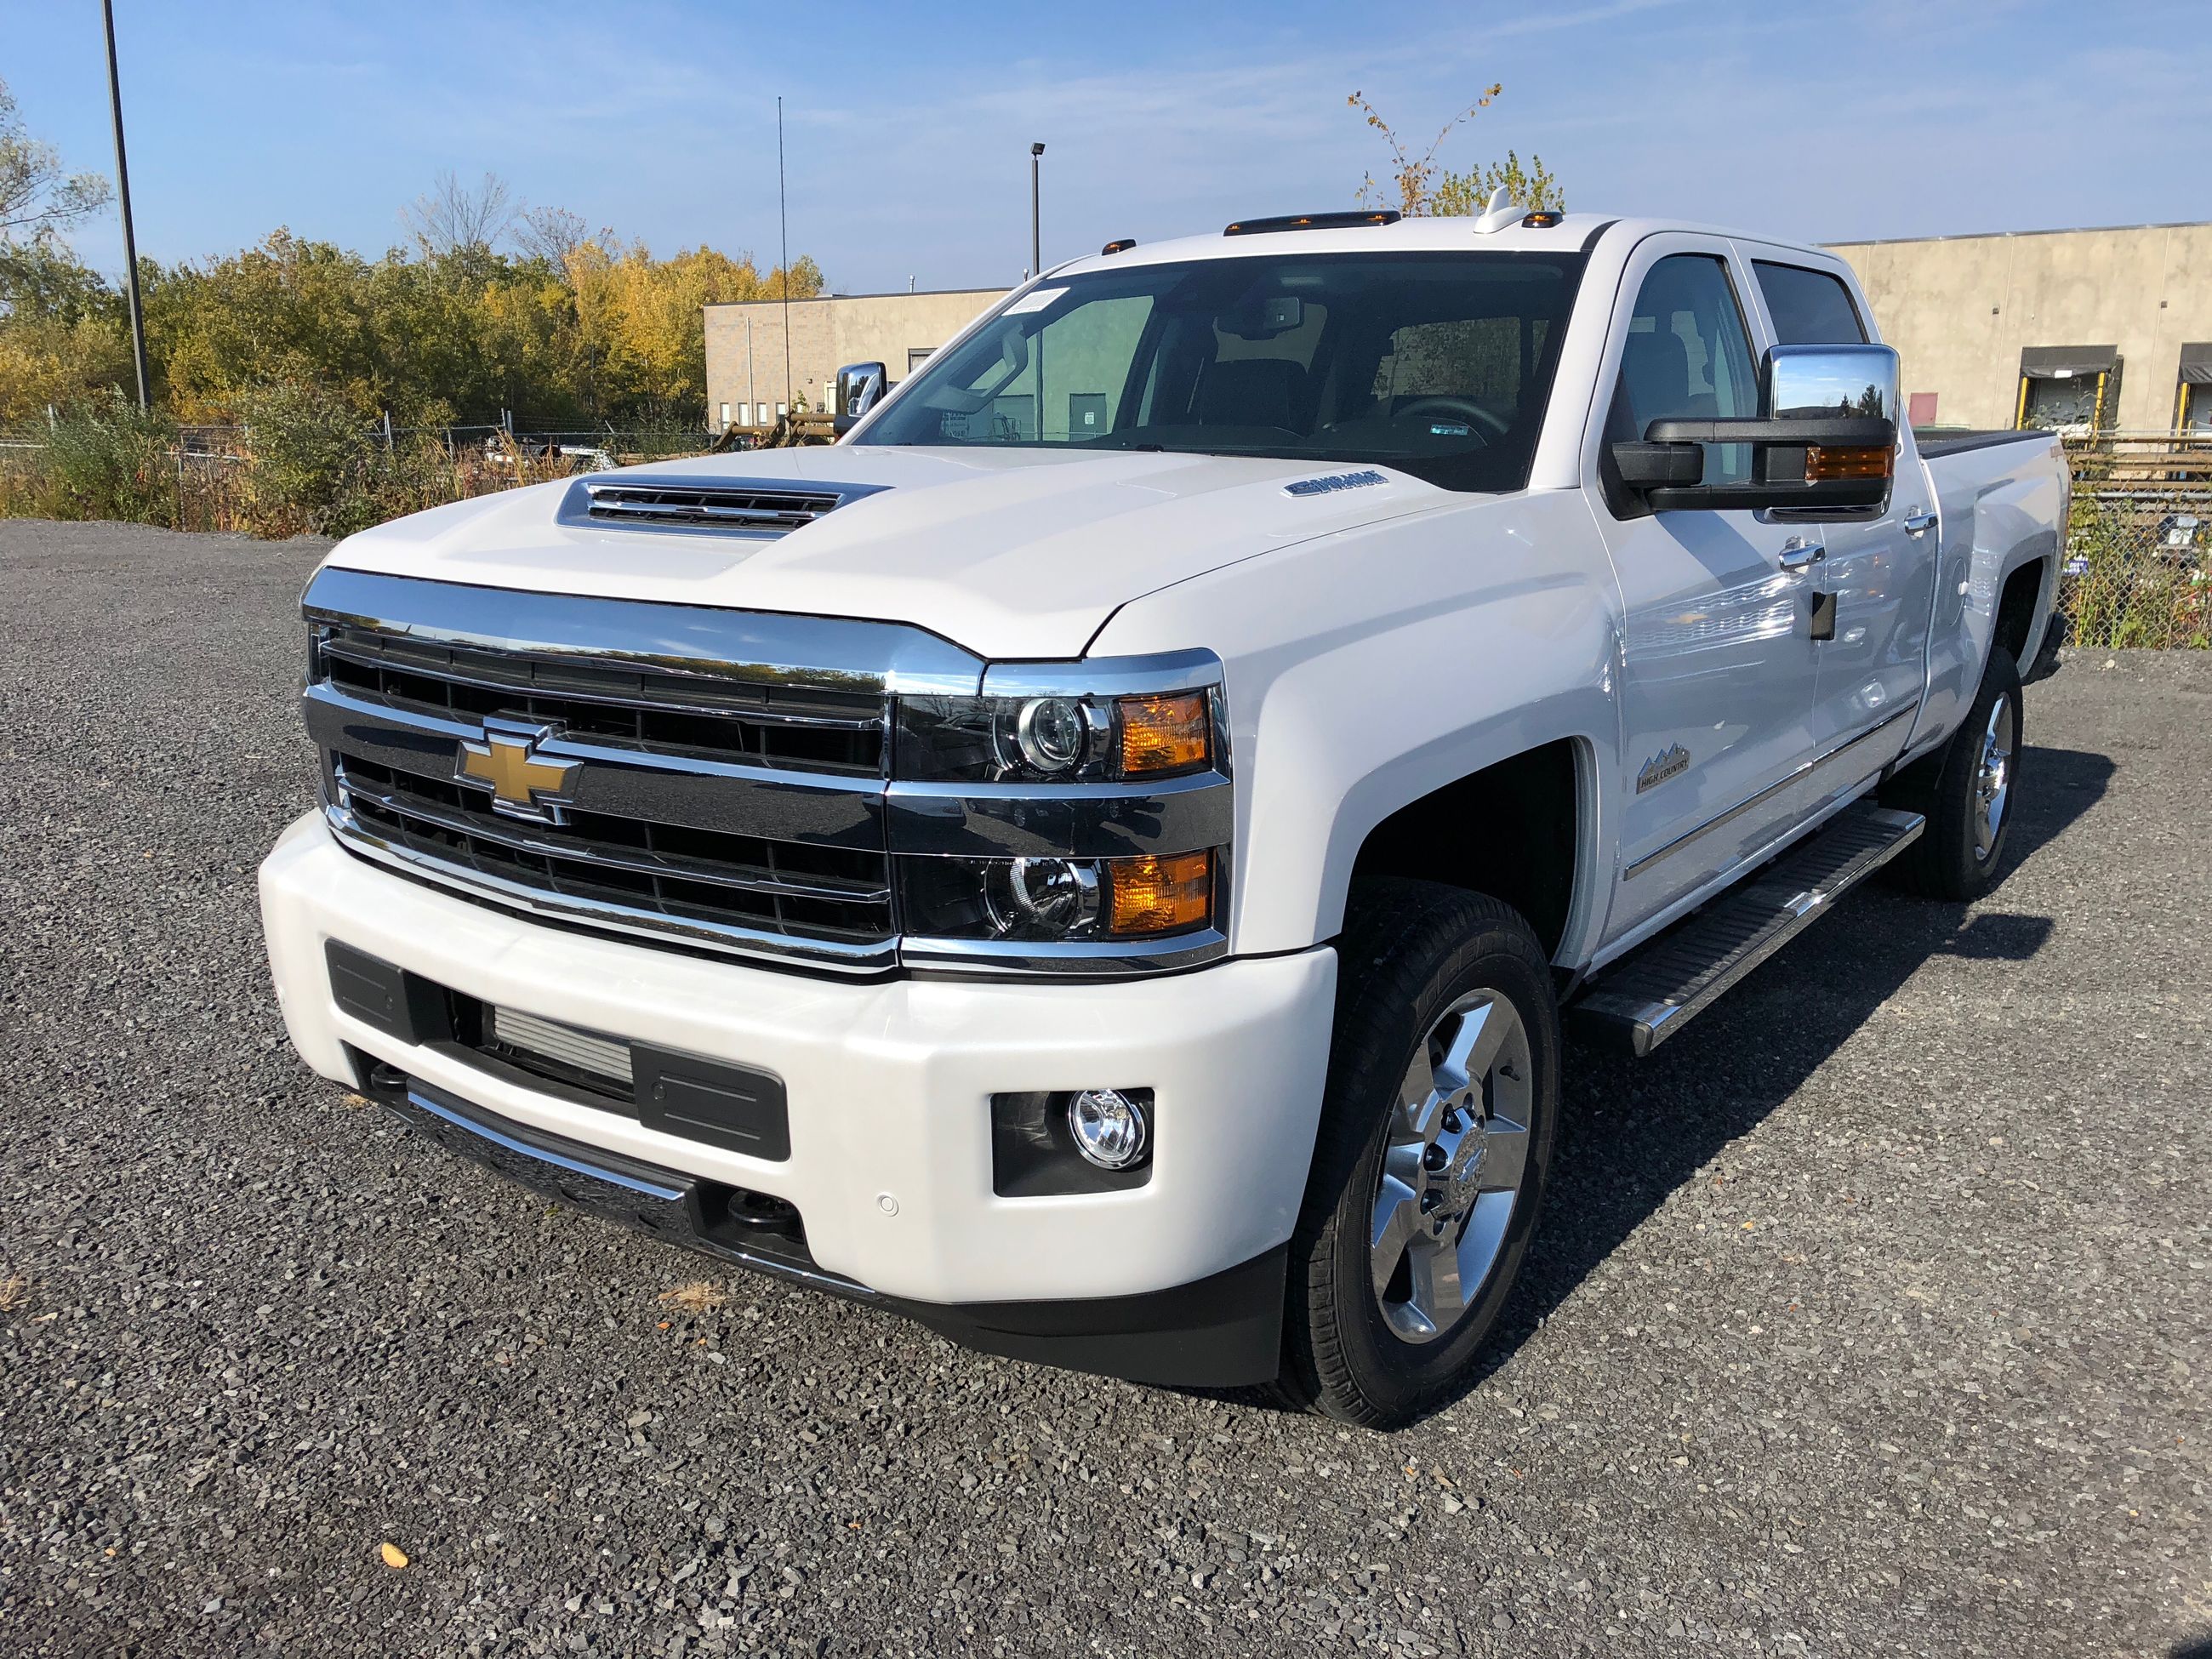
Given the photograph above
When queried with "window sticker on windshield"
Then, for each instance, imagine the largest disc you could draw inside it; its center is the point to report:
(1035, 300)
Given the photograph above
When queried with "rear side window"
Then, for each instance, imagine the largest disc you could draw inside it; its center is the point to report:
(1809, 307)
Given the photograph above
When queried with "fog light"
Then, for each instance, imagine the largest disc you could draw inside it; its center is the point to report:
(1109, 1127)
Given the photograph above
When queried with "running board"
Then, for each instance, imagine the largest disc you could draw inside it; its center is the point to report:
(1640, 1001)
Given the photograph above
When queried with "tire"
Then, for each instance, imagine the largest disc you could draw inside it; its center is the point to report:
(1959, 855)
(1416, 961)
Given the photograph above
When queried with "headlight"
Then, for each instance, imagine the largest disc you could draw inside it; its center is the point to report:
(1067, 739)
(1051, 900)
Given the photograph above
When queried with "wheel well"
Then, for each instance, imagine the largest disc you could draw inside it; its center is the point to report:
(1510, 830)
(2016, 611)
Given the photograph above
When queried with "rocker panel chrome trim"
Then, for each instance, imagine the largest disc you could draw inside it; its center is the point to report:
(1797, 776)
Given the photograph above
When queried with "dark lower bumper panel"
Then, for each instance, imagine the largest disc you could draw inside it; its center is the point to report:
(1223, 1331)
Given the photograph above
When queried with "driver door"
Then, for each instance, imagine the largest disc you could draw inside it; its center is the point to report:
(1717, 663)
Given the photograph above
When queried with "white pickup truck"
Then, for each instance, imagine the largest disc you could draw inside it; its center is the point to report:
(1098, 859)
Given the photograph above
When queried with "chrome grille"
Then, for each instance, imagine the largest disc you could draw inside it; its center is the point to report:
(711, 776)
(650, 870)
(811, 728)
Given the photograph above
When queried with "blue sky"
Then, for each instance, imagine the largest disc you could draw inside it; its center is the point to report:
(909, 125)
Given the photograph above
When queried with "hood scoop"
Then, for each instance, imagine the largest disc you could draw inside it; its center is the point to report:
(758, 510)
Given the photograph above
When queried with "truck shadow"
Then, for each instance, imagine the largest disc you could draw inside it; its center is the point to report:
(1634, 1131)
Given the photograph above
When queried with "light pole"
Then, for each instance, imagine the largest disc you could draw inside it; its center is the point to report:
(1037, 256)
(122, 194)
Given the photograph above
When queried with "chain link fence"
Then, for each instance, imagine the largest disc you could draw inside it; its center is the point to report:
(2138, 562)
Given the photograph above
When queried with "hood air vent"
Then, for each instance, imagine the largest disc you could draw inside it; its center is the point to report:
(729, 507)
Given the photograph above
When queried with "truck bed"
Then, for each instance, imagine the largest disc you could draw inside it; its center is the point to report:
(1935, 440)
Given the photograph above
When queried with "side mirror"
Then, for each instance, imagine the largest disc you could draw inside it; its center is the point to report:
(859, 388)
(1827, 442)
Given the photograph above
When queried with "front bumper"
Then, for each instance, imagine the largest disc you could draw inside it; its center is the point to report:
(888, 1084)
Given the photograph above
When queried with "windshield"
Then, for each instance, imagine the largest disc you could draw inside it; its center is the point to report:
(1435, 363)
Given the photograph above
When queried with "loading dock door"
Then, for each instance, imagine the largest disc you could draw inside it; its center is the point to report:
(2192, 406)
(2068, 386)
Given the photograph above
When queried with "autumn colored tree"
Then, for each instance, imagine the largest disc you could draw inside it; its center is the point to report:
(1417, 185)
(566, 329)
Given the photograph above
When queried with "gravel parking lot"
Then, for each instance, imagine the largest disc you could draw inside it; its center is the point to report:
(1871, 1316)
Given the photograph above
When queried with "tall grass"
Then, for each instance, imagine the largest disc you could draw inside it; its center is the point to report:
(300, 463)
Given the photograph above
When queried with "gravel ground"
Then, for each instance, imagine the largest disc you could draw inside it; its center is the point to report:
(1871, 1316)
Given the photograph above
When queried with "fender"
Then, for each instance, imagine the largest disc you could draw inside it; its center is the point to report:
(1996, 519)
(1369, 668)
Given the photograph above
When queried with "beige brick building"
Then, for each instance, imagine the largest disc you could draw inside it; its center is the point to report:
(2049, 328)
(746, 384)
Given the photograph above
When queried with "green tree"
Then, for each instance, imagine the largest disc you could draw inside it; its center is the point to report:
(61, 327)
(37, 198)
(1416, 184)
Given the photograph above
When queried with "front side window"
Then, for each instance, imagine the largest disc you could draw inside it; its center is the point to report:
(1687, 356)
(1436, 363)
(1809, 307)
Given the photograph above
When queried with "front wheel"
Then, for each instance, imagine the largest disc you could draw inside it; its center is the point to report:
(1434, 1146)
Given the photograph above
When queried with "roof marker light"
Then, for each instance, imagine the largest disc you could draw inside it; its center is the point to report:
(1314, 221)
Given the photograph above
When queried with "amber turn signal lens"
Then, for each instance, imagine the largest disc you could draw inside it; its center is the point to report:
(1824, 462)
(1158, 895)
(1164, 734)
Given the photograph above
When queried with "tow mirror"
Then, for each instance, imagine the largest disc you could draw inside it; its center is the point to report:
(1826, 444)
(859, 389)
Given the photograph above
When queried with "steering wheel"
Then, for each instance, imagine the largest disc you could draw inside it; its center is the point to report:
(1466, 408)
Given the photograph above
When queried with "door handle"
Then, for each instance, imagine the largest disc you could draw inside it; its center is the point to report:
(1917, 523)
(1799, 555)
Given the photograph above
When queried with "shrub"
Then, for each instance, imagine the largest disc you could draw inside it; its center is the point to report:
(106, 460)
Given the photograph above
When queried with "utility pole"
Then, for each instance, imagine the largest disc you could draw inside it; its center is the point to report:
(1037, 256)
(783, 215)
(122, 194)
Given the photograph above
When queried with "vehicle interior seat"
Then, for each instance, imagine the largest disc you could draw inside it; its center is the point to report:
(1254, 391)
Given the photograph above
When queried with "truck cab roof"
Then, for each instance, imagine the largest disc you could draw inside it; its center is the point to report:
(1573, 232)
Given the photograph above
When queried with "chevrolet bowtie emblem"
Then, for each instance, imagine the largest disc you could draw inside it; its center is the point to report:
(520, 779)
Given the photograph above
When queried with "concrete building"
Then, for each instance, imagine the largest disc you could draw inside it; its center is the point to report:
(2049, 328)
(746, 384)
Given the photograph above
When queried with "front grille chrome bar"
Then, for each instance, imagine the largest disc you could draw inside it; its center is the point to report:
(483, 826)
(606, 916)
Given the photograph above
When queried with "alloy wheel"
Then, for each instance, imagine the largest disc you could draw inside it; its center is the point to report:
(1456, 1153)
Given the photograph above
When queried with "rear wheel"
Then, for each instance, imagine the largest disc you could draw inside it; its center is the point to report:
(1966, 791)
(1435, 1143)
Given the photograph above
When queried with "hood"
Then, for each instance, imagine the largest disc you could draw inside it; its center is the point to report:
(1011, 553)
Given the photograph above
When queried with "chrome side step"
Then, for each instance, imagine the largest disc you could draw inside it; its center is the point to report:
(1640, 1001)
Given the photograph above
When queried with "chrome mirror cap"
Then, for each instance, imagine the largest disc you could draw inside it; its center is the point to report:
(861, 387)
(1805, 382)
